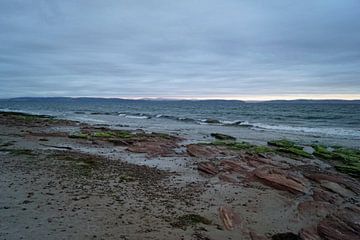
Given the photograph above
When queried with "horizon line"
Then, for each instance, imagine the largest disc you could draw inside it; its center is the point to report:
(196, 98)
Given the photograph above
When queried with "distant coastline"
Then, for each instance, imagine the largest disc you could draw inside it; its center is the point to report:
(302, 101)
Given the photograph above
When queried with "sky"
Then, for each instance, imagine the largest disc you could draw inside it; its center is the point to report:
(196, 49)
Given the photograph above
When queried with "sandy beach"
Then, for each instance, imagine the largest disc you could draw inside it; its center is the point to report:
(62, 179)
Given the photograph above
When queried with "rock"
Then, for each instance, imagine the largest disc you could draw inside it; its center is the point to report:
(221, 136)
(309, 234)
(208, 168)
(280, 179)
(322, 195)
(314, 208)
(232, 166)
(213, 121)
(154, 149)
(255, 236)
(286, 236)
(336, 188)
(229, 218)
(342, 225)
(227, 178)
(202, 151)
(317, 174)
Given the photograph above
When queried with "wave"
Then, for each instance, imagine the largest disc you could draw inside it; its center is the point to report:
(310, 130)
(241, 123)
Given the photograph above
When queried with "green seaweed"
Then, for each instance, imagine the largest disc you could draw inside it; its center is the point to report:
(346, 160)
(294, 151)
(322, 152)
(283, 143)
(190, 220)
(286, 146)
(242, 146)
(27, 117)
(103, 134)
(79, 135)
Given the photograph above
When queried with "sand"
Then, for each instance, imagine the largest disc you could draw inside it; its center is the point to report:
(57, 184)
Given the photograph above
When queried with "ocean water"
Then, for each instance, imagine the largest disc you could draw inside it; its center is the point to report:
(337, 120)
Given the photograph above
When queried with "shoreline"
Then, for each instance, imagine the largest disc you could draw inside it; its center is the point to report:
(66, 179)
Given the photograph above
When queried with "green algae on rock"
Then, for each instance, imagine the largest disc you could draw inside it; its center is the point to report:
(346, 160)
(251, 148)
(286, 146)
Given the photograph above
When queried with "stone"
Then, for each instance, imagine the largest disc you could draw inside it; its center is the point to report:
(221, 136)
(208, 168)
(309, 234)
(202, 151)
(342, 225)
(281, 179)
(230, 219)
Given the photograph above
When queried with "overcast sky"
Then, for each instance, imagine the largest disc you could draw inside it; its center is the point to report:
(238, 49)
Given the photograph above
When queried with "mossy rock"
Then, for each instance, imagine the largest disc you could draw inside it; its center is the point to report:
(286, 146)
(346, 160)
(283, 143)
(251, 148)
(190, 220)
(322, 152)
(103, 134)
(79, 135)
(295, 151)
(220, 136)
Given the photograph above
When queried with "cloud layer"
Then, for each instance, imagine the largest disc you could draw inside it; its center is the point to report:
(189, 49)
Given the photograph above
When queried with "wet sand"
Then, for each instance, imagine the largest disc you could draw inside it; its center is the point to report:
(64, 179)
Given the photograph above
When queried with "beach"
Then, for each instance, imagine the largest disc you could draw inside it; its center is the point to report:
(65, 179)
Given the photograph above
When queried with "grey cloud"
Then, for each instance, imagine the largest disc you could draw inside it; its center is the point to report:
(186, 48)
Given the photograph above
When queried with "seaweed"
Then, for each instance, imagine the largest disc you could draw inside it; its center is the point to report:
(251, 148)
(79, 135)
(346, 160)
(283, 143)
(289, 147)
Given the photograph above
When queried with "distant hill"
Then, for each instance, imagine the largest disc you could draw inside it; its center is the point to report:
(304, 101)
(89, 99)
(92, 99)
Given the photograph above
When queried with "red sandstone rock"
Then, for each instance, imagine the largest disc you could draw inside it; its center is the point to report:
(316, 174)
(208, 168)
(282, 179)
(322, 195)
(226, 177)
(309, 234)
(229, 218)
(315, 208)
(202, 151)
(342, 225)
(233, 166)
(153, 149)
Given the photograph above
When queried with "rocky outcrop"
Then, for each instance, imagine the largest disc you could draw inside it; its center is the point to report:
(309, 234)
(342, 225)
(154, 149)
(224, 137)
(202, 151)
(277, 178)
(208, 168)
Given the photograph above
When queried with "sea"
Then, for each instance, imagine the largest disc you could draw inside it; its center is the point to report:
(326, 122)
